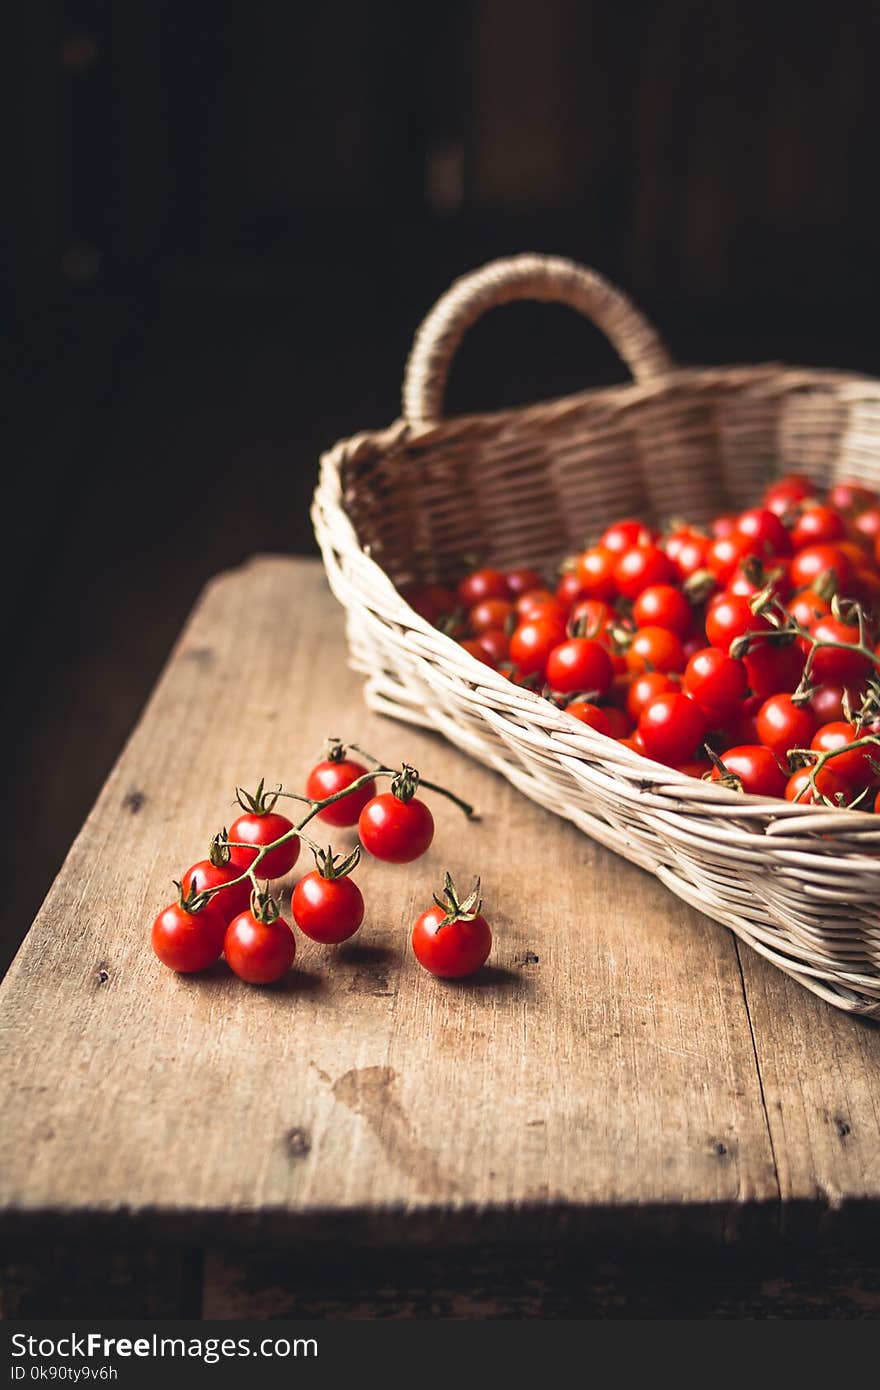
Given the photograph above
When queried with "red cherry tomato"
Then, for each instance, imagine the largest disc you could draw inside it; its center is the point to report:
(591, 617)
(826, 702)
(757, 769)
(595, 572)
(772, 667)
(452, 941)
(833, 664)
(579, 664)
(782, 725)
(655, 649)
(639, 568)
(395, 831)
(854, 766)
(828, 783)
(475, 647)
(728, 617)
(782, 495)
(690, 556)
(807, 565)
(519, 581)
(671, 727)
(568, 591)
(849, 497)
(261, 830)
(623, 535)
(867, 525)
(328, 910)
(481, 584)
(203, 876)
(588, 713)
(817, 525)
(621, 725)
(663, 605)
(259, 952)
(807, 606)
(495, 646)
(533, 641)
(332, 776)
(491, 612)
(765, 530)
(431, 601)
(645, 688)
(726, 553)
(717, 682)
(724, 525)
(188, 941)
(537, 601)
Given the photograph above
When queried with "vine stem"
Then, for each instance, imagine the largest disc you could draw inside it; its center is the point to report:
(868, 740)
(295, 832)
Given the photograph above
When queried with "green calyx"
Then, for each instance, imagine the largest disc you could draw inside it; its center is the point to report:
(220, 853)
(193, 901)
(262, 801)
(263, 905)
(406, 783)
(725, 777)
(330, 865)
(455, 909)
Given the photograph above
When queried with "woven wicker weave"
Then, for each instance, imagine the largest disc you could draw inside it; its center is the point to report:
(799, 884)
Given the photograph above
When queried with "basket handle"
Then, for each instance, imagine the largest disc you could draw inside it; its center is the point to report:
(549, 278)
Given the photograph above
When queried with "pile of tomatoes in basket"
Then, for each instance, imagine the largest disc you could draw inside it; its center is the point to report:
(745, 652)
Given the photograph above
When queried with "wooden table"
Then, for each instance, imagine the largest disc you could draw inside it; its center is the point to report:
(627, 1113)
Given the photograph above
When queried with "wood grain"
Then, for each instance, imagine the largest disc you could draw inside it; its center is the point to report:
(601, 1075)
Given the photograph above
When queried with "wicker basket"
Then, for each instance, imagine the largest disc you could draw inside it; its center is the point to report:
(801, 885)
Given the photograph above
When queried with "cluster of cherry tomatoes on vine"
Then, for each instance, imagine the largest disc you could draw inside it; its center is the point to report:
(225, 907)
(744, 652)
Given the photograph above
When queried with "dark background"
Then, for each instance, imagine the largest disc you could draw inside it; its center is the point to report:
(228, 221)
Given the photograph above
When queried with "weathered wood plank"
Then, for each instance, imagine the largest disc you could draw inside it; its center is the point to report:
(820, 1070)
(604, 1065)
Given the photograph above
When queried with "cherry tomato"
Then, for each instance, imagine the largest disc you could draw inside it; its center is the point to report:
(334, 775)
(595, 572)
(783, 494)
(757, 769)
(623, 535)
(717, 682)
(772, 667)
(621, 725)
(807, 565)
(645, 688)
(452, 940)
(774, 575)
(782, 725)
(535, 601)
(188, 941)
(395, 831)
(698, 767)
(663, 605)
(431, 601)
(491, 612)
(728, 617)
(724, 525)
(258, 830)
(817, 525)
(591, 617)
(850, 497)
(495, 645)
(854, 766)
(828, 783)
(328, 910)
(826, 702)
(867, 525)
(726, 553)
(833, 665)
(765, 530)
(579, 664)
(533, 641)
(475, 647)
(568, 590)
(588, 713)
(259, 952)
(690, 556)
(203, 876)
(481, 584)
(519, 581)
(640, 568)
(807, 606)
(671, 727)
(655, 649)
